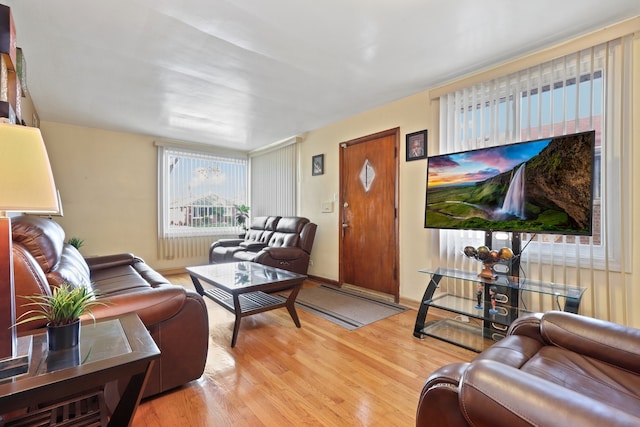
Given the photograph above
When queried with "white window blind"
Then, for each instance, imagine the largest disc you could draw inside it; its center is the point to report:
(198, 192)
(274, 181)
(586, 90)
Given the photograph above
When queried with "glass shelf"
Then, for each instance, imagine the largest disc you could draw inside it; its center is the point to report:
(468, 307)
(478, 311)
(524, 284)
(463, 334)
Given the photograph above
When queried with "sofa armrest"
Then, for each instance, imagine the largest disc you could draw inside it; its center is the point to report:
(438, 404)
(498, 395)
(110, 261)
(287, 258)
(527, 325)
(606, 341)
(227, 243)
(152, 305)
(284, 252)
(252, 246)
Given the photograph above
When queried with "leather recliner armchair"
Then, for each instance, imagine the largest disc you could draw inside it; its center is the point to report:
(287, 247)
(256, 238)
(556, 369)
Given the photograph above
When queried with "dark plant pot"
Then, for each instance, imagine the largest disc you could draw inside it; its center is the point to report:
(63, 359)
(62, 337)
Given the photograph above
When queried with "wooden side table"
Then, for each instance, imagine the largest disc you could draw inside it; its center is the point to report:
(109, 349)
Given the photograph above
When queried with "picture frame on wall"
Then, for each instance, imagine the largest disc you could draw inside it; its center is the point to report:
(317, 165)
(416, 145)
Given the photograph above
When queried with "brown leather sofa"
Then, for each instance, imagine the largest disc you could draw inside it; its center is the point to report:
(283, 242)
(175, 317)
(556, 369)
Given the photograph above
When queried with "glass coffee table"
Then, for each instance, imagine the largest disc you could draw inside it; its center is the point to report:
(246, 288)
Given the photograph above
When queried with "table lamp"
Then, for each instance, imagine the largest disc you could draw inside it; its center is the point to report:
(26, 184)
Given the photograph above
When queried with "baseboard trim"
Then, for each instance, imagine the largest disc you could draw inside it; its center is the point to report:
(322, 280)
(171, 271)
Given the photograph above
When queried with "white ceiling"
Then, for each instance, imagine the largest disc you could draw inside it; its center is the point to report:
(248, 73)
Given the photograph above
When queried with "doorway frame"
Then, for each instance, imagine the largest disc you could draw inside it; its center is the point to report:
(395, 132)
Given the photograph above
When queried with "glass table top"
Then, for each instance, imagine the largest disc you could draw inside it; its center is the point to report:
(242, 274)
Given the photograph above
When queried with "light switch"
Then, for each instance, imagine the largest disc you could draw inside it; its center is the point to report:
(327, 207)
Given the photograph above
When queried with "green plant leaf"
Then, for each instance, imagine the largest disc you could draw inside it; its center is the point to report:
(65, 305)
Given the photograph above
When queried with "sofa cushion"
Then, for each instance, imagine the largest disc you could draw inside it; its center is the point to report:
(261, 229)
(72, 268)
(513, 350)
(117, 280)
(288, 232)
(619, 347)
(601, 381)
(44, 240)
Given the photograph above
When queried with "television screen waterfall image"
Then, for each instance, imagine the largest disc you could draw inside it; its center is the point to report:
(542, 186)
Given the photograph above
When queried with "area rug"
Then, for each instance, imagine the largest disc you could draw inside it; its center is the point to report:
(350, 310)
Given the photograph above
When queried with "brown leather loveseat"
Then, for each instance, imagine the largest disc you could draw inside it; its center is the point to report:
(175, 317)
(556, 369)
(283, 242)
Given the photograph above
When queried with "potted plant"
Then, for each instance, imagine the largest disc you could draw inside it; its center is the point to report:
(76, 242)
(62, 310)
(242, 214)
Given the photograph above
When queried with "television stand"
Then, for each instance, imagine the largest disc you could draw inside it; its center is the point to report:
(476, 327)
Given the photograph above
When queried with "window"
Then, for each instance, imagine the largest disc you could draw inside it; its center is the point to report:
(578, 92)
(198, 192)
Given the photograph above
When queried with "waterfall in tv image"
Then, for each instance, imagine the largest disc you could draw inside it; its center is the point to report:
(541, 186)
(514, 200)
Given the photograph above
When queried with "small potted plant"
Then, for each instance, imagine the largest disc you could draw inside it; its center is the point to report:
(242, 214)
(76, 242)
(62, 310)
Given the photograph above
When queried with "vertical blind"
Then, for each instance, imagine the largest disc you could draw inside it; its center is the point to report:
(273, 181)
(586, 90)
(197, 195)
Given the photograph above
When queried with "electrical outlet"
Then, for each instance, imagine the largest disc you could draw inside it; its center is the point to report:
(310, 263)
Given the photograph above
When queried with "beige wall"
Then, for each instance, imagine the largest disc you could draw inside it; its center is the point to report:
(107, 183)
(108, 187)
(411, 114)
(419, 247)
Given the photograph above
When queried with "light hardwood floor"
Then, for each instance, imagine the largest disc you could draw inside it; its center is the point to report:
(318, 375)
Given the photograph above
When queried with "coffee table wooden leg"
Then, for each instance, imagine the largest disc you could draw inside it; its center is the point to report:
(291, 305)
(236, 325)
(197, 285)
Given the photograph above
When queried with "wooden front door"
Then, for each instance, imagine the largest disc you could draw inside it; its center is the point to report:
(368, 212)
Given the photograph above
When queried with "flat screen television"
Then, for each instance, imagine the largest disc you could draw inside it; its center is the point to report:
(541, 186)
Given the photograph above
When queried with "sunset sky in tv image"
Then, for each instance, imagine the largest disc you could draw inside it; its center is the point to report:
(475, 166)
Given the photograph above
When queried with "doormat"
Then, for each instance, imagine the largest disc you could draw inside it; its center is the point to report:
(350, 310)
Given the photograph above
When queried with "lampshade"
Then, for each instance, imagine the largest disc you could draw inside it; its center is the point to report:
(26, 185)
(26, 179)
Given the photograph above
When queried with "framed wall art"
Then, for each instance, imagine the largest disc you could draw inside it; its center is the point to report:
(417, 145)
(317, 165)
